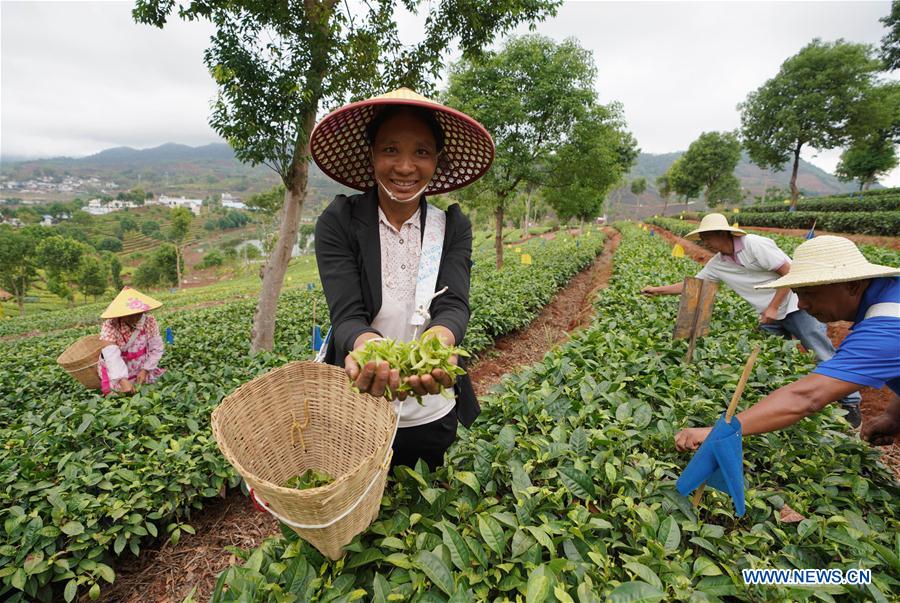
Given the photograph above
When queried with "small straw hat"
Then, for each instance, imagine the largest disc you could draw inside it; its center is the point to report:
(828, 259)
(712, 223)
(129, 301)
(339, 146)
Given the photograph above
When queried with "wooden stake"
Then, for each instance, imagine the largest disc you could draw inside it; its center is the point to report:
(732, 407)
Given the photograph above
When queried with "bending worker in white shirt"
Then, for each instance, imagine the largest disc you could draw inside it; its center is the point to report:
(744, 261)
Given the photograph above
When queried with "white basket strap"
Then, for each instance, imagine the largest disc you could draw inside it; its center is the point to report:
(311, 526)
(429, 263)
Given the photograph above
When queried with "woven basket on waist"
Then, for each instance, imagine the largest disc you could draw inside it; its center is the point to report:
(80, 360)
(348, 435)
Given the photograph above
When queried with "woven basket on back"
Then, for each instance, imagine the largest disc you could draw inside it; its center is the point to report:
(80, 360)
(348, 435)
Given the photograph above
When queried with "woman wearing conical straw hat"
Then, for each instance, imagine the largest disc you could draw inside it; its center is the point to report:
(374, 248)
(132, 344)
(834, 281)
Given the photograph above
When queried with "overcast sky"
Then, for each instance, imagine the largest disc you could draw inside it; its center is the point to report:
(79, 77)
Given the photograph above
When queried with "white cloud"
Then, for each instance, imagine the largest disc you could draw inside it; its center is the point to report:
(82, 76)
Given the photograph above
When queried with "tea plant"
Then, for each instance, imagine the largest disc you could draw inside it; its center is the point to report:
(563, 489)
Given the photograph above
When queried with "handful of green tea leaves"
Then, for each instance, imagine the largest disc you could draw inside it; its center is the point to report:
(311, 478)
(417, 357)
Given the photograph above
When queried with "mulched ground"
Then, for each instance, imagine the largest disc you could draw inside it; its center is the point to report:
(873, 401)
(168, 573)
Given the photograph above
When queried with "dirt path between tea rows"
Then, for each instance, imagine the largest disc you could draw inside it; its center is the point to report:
(874, 401)
(166, 573)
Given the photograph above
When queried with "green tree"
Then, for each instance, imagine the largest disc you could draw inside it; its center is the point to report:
(160, 269)
(127, 223)
(866, 160)
(597, 155)
(664, 189)
(808, 102)
(61, 258)
(150, 228)
(115, 270)
(179, 227)
(82, 218)
(27, 215)
(890, 43)
(277, 63)
(92, 276)
(682, 183)
(18, 262)
(269, 203)
(874, 128)
(638, 186)
(710, 162)
(726, 189)
(528, 96)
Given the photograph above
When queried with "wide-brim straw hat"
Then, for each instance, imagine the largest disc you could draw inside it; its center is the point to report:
(828, 259)
(340, 148)
(129, 301)
(712, 223)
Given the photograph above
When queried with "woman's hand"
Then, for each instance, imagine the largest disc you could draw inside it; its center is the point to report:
(141, 377)
(371, 379)
(431, 383)
(125, 386)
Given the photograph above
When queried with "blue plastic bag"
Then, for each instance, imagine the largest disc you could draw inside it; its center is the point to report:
(719, 462)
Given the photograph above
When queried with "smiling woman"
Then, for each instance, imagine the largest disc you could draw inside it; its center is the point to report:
(391, 263)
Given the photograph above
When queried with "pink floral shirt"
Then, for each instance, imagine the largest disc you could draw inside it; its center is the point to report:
(131, 350)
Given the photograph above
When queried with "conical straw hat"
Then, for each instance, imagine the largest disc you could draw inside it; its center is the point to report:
(339, 146)
(828, 259)
(129, 301)
(711, 223)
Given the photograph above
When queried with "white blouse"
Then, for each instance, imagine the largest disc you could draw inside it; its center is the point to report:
(400, 250)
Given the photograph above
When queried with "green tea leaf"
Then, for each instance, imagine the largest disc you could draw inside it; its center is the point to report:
(636, 592)
(436, 570)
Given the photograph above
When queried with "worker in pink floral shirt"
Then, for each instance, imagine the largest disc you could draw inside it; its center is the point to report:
(132, 344)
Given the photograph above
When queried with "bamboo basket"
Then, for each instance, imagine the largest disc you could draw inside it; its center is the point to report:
(302, 416)
(80, 360)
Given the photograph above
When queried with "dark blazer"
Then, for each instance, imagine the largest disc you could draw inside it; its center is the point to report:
(348, 253)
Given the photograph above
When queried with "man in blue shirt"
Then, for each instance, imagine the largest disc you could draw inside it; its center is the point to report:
(834, 281)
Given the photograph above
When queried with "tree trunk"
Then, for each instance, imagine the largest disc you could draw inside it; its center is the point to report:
(795, 192)
(527, 212)
(262, 336)
(665, 206)
(867, 185)
(178, 265)
(498, 236)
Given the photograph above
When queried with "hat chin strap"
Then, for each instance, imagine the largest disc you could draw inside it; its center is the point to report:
(395, 199)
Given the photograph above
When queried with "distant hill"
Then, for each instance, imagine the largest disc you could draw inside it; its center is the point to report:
(811, 180)
(212, 169)
(172, 169)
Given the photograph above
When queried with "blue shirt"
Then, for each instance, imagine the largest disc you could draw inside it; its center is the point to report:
(870, 354)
